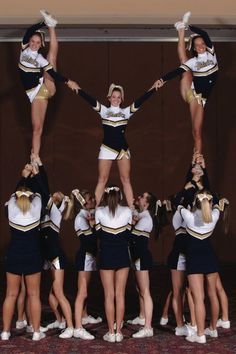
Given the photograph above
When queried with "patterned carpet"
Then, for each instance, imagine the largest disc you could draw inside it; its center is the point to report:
(164, 340)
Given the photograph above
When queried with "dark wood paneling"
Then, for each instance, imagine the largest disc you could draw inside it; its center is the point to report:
(159, 134)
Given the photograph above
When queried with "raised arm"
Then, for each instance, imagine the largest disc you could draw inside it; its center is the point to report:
(203, 34)
(138, 102)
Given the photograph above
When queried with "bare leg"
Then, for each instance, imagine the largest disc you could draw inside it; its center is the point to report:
(33, 292)
(223, 299)
(13, 286)
(191, 307)
(165, 310)
(124, 170)
(53, 302)
(186, 80)
(144, 289)
(104, 167)
(57, 286)
(121, 276)
(38, 113)
(211, 288)
(21, 302)
(177, 283)
(141, 307)
(196, 284)
(108, 283)
(52, 58)
(83, 282)
(197, 115)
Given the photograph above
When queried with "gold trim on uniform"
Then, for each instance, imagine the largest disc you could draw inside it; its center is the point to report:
(192, 95)
(43, 93)
(98, 107)
(114, 124)
(27, 69)
(140, 233)
(85, 232)
(111, 230)
(24, 228)
(198, 235)
(48, 67)
(180, 230)
(133, 109)
(211, 50)
(123, 153)
(185, 67)
(206, 73)
(50, 224)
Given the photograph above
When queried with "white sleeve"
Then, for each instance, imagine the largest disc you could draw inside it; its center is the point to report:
(102, 111)
(13, 209)
(42, 61)
(81, 223)
(177, 219)
(189, 64)
(144, 224)
(36, 206)
(128, 113)
(215, 215)
(185, 213)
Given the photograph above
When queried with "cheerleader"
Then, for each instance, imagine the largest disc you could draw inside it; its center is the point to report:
(23, 255)
(113, 223)
(38, 74)
(114, 145)
(201, 260)
(83, 205)
(203, 67)
(54, 255)
(142, 258)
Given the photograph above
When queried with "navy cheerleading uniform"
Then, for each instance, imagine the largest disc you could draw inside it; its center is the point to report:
(50, 230)
(114, 122)
(32, 65)
(114, 235)
(204, 68)
(86, 255)
(200, 257)
(177, 257)
(141, 256)
(24, 254)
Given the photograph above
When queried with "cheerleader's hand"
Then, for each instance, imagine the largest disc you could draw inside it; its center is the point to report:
(73, 86)
(158, 84)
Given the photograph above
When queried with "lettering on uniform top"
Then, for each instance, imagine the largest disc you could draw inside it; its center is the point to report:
(115, 115)
(30, 60)
(203, 64)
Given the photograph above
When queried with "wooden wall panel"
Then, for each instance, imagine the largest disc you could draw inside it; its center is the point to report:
(159, 134)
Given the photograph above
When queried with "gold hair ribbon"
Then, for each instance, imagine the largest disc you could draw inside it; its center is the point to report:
(113, 87)
(23, 193)
(79, 197)
(202, 196)
(108, 189)
(158, 204)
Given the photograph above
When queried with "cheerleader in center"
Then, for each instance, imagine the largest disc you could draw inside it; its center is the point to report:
(113, 224)
(114, 145)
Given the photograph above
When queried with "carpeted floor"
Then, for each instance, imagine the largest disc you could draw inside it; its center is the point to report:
(164, 340)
